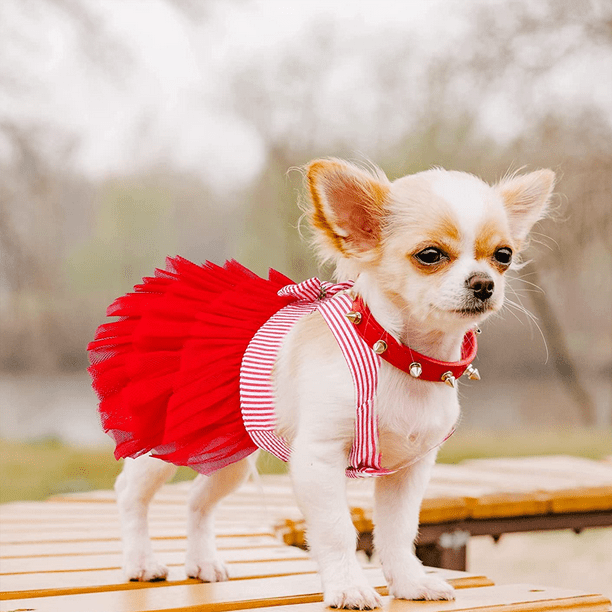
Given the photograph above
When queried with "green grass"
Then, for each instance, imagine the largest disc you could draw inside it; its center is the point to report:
(37, 470)
(475, 444)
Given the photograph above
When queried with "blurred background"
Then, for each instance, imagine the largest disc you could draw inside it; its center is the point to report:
(134, 130)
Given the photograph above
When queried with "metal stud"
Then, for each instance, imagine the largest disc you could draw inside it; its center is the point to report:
(478, 330)
(472, 373)
(448, 378)
(354, 317)
(379, 347)
(415, 369)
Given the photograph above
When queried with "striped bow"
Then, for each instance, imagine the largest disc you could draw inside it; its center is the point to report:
(313, 289)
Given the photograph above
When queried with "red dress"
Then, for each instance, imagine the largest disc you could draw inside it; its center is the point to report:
(167, 372)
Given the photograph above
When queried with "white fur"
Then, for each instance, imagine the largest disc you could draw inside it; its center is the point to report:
(315, 395)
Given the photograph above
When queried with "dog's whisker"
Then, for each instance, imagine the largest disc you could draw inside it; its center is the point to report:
(533, 319)
(521, 279)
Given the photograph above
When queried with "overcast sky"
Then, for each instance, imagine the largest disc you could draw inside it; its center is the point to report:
(167, 98)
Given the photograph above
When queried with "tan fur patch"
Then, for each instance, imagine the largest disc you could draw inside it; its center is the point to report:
(349, 205)
(444, 235)
(491, 237)
(318, 218)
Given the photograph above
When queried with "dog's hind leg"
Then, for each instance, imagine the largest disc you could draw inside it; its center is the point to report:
(202, 560)
(135, 488)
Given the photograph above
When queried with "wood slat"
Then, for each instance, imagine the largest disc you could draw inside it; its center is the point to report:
(582, 471)
(239, 594)
(509, 598)
(41, 549)
(89, 581)
(62, 563)
(285, 594)
(43, 584)
(585, 499)
(157, 533)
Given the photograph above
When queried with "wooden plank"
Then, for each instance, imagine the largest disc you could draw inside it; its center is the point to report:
(583, 472)
(157, 533)
(507, 598)
(59, 511)
(289, 593)
(62, 563)
(231, 595)
(585, 499)
(224, 515)
(44, 584)
(105, 528)
(444, 508)
(18, 586)
(49, 549)
(508, 475)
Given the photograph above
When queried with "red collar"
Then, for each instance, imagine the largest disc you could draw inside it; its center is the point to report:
(407, 360)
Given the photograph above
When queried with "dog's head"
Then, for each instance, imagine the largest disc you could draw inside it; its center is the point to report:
(436, 243)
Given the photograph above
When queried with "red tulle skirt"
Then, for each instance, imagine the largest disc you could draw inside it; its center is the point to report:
(167, 372)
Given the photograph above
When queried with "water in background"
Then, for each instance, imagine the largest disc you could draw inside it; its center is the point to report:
(63, 406)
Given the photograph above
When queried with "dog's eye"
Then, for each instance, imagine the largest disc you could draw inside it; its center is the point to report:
(431, 256)
(503, 256)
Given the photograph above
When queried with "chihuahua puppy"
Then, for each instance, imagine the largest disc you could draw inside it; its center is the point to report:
(428, 255)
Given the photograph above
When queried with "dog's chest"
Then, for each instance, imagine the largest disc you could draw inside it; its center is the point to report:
(414, 416)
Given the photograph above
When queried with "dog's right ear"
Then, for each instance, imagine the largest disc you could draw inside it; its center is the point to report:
(348, 207)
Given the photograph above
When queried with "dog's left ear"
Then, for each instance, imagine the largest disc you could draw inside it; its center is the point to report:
(348, 206)
(526, 199)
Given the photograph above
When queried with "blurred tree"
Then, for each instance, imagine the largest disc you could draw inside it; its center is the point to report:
(482, 99)
(45, 205)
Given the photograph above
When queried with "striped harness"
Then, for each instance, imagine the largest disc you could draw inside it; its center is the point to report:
(256, 391)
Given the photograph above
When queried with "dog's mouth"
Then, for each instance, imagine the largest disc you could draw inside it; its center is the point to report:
(474, 309)
(471, 312)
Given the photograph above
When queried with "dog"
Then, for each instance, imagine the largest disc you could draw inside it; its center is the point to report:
(427, 254)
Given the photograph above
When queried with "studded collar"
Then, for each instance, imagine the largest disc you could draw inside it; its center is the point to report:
(410, 361)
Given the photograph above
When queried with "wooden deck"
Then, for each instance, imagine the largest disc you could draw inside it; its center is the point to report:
(65, 553)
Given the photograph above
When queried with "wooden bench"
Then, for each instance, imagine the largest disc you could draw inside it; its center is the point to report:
(64, 554)
(491, 497)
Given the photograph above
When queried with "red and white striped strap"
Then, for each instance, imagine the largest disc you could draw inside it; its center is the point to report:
(257, 394)
(364, 364)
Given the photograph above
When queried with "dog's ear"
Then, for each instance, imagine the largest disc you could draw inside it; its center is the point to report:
(526, 199)
(348, 206)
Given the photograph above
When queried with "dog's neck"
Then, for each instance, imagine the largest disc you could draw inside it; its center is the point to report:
(439, 344)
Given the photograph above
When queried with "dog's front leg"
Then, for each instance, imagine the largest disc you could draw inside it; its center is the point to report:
(320, 487)
(398, 500)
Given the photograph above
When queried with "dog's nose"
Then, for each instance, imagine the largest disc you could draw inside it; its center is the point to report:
(481, 285)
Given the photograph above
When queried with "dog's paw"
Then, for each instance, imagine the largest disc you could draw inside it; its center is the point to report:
(213, 570)
(429, 588)
(146, 570)
(353, 598)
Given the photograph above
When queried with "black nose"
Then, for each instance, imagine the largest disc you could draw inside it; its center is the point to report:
(481, 285)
